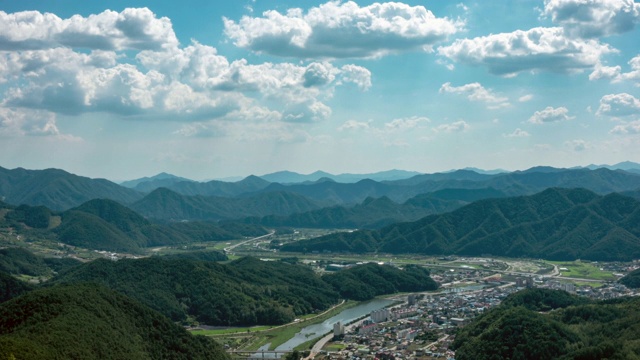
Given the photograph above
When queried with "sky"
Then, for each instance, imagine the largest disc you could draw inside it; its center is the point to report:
(212, 89)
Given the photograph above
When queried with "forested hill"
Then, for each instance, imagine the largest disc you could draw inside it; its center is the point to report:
(246, 291)
(102, 224)
(576, 329)
(58, 189)
(554, 224)
(92, 322)
(169, 205)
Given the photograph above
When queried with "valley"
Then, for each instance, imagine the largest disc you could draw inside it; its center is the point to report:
(268, 268)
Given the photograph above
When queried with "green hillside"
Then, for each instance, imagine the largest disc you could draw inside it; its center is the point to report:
(169, 205)
(91, 322)
(632, 279)
(576, 329)
(19, 261)
(243, 292)
(58, 189)
(557, 224)
(106, 225)
(368, 281)
(11, 287)
(370, 214)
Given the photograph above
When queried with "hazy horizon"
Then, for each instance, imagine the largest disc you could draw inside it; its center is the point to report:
(131, 88)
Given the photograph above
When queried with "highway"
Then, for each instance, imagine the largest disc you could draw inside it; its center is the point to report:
(229, 248)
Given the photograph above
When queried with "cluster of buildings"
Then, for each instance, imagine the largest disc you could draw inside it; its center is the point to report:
(424, 326)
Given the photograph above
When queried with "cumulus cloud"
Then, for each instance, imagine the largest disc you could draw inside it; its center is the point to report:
(517, 133)
(110, 30)
(353, 125)
(550, 114)
(525, 98)
(192, 83)
(619, 105)
(342, 30)
(27, 122)
(537, 49)
(593, 18)
(632, 127)
(406, 123)
(615, 73)
(476, 92)
(458, 126)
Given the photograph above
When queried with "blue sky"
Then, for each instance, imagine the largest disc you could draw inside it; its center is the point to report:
(208, 89)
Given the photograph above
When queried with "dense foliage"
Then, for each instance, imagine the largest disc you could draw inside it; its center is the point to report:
(243, 292)
(11, 287)
(370, 214)
(577, 329)
(32, 216)
(58, 189)
(165, 204)
(632, 279)
(21, 261)
(558, 224)
(200, 255)
(106, 225)
(91, 322)
(364, 282)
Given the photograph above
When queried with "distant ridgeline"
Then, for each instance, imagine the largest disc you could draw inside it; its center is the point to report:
(523, 327)
(106, 225)
(556, 224)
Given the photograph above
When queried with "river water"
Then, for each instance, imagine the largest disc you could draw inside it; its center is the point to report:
(317, 330)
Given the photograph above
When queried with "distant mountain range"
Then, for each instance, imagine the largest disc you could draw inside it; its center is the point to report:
(256, 197)
(102, 224)
(58, 189)
(556, 224)
(288, 177)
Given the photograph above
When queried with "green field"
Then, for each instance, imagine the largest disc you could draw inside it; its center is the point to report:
(582, 270)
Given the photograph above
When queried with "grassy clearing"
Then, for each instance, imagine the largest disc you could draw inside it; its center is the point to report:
(228, 331)
(583, 270)
(278, 335)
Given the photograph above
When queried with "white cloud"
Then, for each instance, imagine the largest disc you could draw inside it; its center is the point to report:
(578, 145)
(537, 49)
(550, 114)
(27, 122)
(341, 30)
(353, 125)
(593, 18)
(406, 123)
(458, 126)
(615, 74)
(619, 105)
(632, 127)
(518, 133)
(130, 29)
(476, 92)
(525, 98)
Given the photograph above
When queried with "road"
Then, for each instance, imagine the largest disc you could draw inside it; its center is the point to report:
(229, 248)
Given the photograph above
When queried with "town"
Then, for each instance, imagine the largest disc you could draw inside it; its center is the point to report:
(424, 325)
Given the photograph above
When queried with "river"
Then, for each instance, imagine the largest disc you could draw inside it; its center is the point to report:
(346, 316)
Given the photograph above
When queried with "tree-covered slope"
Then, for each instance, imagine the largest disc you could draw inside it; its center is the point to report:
(370, 214)
(553, 224)
(91, 322)
(364, 282)
(169, 205)
(19, 261)
(58, 189)
(243, 292)
(631, 280)
(11, 287)
(576, 329)
(106, 225)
